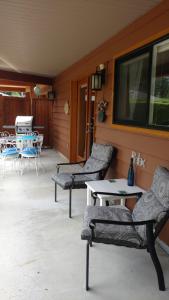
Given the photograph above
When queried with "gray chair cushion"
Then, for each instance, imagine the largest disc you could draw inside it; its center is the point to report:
(154, 203)
(65, 180)
(92, 165)
(102, 152)
(99, 159)
(160, 185)
(147, 208)
(111, 234)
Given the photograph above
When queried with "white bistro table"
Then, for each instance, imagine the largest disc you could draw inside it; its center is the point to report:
(111, 186)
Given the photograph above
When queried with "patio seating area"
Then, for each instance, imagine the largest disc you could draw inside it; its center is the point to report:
(84, 150)
(17, 152)
(43, 257)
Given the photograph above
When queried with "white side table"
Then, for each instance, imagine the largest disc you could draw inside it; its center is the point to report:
(111, 186)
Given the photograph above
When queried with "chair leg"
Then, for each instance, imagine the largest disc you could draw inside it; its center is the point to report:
(158, 268)
(94, 199)
(70, 203)
(36, 166)
(87, 265)
(55, 192)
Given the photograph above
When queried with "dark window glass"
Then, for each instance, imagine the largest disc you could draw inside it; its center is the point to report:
(142, 87)
(133, 89)
(159, 103)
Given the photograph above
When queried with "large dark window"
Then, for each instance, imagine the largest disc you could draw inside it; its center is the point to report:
(142, 87)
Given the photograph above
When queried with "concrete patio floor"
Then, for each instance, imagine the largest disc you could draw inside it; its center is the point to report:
(42, 256)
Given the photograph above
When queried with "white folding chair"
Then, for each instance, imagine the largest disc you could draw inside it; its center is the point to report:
(29, 155)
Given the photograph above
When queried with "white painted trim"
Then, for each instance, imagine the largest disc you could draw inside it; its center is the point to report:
(164, 246)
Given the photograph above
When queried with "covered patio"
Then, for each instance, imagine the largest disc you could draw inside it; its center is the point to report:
(87, 73)
(43, 257)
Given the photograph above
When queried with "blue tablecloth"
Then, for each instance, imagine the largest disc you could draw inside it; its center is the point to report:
(27, 137)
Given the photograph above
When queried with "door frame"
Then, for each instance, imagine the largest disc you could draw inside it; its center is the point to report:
(73, 122)
(82, 84)
(73, 117)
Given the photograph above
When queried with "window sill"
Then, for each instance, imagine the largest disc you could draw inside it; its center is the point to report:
(142, 131)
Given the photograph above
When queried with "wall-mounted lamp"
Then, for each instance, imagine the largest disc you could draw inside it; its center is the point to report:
(98, 78)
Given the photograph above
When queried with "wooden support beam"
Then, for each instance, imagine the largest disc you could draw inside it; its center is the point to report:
(9, 76)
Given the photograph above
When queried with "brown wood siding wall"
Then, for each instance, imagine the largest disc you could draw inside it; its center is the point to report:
(40, 108)
(42, 111)
(61, 121)
(10, 107)
(154, 149)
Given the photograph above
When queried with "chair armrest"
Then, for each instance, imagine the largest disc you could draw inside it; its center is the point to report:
(73, 163)
(73, 175)
(149, 227)
(93, 222)
(86, 173)
(69, 164)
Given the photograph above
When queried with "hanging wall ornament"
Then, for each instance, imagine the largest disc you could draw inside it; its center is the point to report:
(66, 108)
(102, 105)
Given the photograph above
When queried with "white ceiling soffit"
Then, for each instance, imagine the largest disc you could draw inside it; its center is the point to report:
(44, 37)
